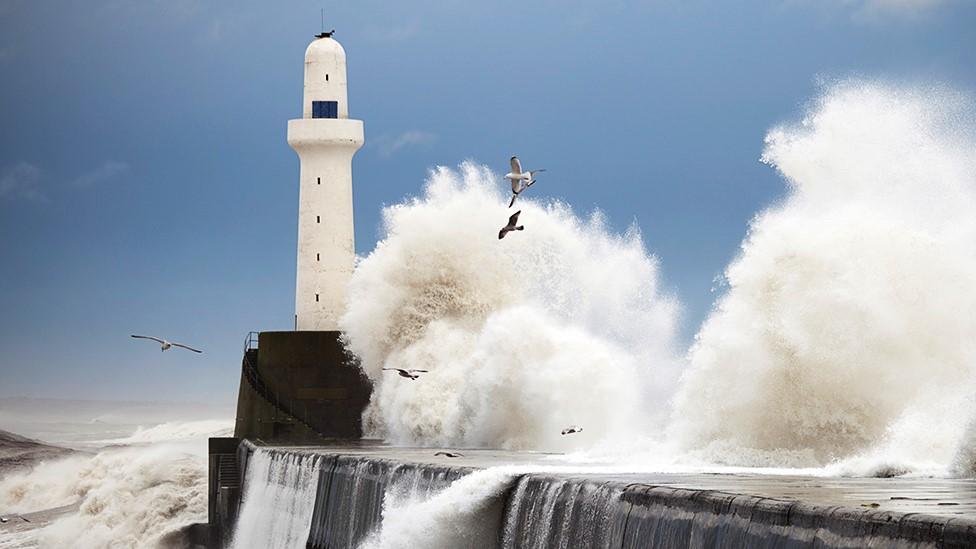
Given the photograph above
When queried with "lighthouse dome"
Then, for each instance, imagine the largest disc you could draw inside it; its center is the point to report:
(325, 79)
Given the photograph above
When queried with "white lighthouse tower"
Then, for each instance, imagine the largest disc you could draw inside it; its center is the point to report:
(325, 139)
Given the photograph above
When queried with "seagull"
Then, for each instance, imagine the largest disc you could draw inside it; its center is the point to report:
(449, 454)
(572, 429)
(520, 180)
(4, 520)
(409, 374)
(166, 345)
(511, 226)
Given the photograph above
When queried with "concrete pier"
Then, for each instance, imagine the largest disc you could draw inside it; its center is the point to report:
(589, 507)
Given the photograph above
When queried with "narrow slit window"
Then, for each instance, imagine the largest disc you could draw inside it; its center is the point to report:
(316, 298)
(327, 77)
(318, 219)
(318, 257)
(319, 180)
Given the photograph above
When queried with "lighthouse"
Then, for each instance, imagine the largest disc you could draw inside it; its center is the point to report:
(300, 386)
(325, 139)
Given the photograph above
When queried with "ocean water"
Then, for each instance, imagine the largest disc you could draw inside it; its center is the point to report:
(841, 342)
(457, 516)
(840, 345)
(137, 491)
(562, 324)
(278, 500)
(844, 339)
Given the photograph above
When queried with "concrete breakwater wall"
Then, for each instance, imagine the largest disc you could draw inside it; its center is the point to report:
(350, 497)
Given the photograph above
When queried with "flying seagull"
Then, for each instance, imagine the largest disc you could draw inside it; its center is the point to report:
(572, 429)
(409, 374)
(449, 454)
(520, 180)
(511, 226)
(166, 345)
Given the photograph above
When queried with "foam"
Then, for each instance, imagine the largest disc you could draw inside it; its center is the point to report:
(845, 336)
(561, 324)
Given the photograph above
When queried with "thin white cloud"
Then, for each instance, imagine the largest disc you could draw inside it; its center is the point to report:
(875, 11)
(22, 181)
(900, 5)
(395, 32)
(389, 144)
(110, 169)
(216, 31)
(881, 9)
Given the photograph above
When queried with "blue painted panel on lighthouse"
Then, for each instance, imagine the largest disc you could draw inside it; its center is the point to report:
(325, 109)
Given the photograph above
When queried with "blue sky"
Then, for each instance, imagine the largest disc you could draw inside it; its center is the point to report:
(146, 185)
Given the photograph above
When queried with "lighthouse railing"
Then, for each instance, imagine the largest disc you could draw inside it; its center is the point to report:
(279, 404)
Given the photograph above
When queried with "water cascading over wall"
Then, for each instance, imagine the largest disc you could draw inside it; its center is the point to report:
(544, 511)
(279, 495)
(353, 491)
(325, 500)
(296, 499)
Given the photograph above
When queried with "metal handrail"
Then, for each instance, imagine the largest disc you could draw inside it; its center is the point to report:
(251, 341)
(254, 378)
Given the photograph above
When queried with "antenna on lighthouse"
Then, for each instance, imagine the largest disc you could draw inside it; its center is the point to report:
(324, 34)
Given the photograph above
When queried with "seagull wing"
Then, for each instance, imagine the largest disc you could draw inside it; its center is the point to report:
(533, 172)
(156, 339)
(512, 202)
(512, 221)
(516, 165)
(412, 371)
(187, 347)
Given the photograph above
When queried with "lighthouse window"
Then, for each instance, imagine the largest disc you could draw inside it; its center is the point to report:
(318, 257)
(316, 298)
(319, 179)
(318, 219)
(326, 77)
(325, 109)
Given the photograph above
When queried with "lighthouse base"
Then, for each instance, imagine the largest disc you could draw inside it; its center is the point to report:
(299, 387)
